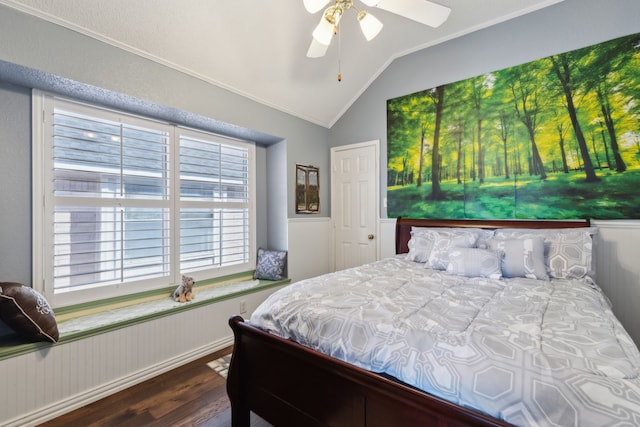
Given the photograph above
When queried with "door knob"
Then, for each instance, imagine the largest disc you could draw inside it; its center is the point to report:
(370, 236)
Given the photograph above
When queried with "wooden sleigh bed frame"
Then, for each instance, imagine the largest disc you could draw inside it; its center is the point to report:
(288, 384)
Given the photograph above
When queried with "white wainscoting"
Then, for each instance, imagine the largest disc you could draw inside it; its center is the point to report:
(310, 247)
(39, 386)
(387, 237)
(618, 270)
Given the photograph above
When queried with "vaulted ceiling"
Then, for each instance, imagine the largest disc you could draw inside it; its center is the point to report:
(257, 48)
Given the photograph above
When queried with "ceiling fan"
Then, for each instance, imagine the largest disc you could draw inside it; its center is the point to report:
(422, 11)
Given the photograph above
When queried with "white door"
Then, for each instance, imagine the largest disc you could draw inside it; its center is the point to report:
(354, 203)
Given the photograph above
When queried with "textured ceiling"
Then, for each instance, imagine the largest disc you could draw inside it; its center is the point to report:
(257, 48)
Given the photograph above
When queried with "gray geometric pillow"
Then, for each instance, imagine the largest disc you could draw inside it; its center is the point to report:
(475, 262)
(272, 265)
(570, 254)
(439, 256)
(568, 251)
(420, 246)
(522, 257)
(423, 239)
(482, 234)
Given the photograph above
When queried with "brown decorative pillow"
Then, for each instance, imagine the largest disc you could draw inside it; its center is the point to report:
(27, 312)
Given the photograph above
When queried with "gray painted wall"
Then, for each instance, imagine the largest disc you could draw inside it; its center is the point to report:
(276, 158)
(15, 184)
(568, 25)
(36, 53)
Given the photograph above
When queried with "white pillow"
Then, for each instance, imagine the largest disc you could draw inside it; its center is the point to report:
(439, 256)
(522, 257)
(475, 262)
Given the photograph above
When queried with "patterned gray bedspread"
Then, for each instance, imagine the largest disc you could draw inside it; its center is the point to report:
(531, 352)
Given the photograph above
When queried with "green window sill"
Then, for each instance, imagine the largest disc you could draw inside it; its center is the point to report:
(86, 320)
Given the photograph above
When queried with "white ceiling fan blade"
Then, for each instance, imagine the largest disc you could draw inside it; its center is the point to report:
(313, 6)
(317, 49)
(422, 11)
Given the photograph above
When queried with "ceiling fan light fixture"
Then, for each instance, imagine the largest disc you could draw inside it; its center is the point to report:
(333, 14)
(317, 49)
(314, 6)
(323, 32)
(369, 24)
(423, 11)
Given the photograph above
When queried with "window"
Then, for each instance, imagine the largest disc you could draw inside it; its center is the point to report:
(124, 204)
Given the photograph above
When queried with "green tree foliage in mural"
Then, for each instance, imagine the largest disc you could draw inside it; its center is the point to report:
(555, 138)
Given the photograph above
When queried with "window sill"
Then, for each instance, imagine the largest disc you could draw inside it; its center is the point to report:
(82, 323)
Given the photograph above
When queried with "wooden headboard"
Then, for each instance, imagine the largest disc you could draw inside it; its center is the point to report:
(403, 226)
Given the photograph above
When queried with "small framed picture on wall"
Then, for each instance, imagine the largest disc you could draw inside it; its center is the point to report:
(307, 189)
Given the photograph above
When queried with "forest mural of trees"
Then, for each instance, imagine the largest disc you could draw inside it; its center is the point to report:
(554, 138)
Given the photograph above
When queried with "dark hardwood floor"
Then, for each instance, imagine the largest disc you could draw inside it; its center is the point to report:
(191, 395)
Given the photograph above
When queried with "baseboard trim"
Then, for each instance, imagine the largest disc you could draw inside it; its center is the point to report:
(92, 395)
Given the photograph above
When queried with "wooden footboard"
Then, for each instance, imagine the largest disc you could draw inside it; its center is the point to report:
(290, 385)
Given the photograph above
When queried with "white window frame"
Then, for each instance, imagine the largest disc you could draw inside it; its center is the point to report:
(43, 202)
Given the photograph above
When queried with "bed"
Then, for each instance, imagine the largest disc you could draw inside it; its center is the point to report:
(473, 322)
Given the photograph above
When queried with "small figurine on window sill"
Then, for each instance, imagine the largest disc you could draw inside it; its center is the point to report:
(184, 292)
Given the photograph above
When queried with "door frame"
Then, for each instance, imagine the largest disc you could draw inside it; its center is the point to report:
(375, 143)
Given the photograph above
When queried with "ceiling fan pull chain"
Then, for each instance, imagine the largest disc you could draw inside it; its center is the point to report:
(339, 54)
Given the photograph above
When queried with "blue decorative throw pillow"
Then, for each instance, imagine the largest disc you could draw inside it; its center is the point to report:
(271, 265)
